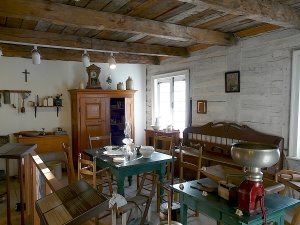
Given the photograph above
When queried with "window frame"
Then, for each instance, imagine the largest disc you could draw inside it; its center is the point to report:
(154, 83)
(294, 141)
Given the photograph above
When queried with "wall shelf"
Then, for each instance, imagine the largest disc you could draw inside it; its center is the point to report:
(17, 91)
(57, 109)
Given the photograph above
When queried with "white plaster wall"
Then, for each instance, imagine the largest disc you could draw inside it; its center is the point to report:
(51, 78)
(265, 65)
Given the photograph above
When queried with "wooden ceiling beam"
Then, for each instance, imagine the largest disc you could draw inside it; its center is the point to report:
(267, 11)
(92, 19)
(10, 50)
(85, 43)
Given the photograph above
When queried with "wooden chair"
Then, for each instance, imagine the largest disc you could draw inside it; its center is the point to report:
(102, 141)
(162, 144)
(184, 150)
(69, 163)
(87, 170)
(183, 165)
(141, 198)
(291, 180)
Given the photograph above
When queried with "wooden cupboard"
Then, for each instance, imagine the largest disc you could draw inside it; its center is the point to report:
(100, 112)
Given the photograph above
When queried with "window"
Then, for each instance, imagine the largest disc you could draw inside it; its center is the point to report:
(294, 138)
(170, 99)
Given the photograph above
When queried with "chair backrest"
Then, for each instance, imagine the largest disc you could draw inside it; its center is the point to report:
(163, 144)
(184, 150)
(102, 141)
(69, 162)
(87, 170)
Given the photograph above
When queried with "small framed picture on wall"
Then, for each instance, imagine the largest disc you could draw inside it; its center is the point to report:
(202, 106)
(232, 81)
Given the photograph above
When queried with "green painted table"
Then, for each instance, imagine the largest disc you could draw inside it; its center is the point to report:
(157, 162)
(218, 208)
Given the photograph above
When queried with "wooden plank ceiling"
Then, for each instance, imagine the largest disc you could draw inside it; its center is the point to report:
(136, 31)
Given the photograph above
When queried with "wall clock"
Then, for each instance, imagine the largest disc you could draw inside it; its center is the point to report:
(93, 72)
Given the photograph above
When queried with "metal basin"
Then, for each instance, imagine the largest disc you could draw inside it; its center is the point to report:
(251, 154)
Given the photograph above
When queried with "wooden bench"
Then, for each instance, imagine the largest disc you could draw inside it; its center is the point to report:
(217, 138)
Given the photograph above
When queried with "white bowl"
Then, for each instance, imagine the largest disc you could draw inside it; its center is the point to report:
(157, 127)
(146, 151)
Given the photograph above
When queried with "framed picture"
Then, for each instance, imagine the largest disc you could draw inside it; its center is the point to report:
(202, 106)
(232, 81)
(93, 72)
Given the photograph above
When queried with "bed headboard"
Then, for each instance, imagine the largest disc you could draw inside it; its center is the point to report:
(218, 137)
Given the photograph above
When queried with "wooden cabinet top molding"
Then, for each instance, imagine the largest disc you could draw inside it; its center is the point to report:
(104, 92)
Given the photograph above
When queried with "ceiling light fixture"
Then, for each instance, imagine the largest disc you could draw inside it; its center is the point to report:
(111, 61)
(36, 56)
(85, 59)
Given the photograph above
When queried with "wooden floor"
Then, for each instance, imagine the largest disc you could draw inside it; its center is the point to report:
(129, 191)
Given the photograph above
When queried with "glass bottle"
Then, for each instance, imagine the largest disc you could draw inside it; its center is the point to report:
(134, 154)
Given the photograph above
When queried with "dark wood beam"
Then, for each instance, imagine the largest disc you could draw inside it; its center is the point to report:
(10, 50)
(73, 41)
(267, 11)
(92, 19)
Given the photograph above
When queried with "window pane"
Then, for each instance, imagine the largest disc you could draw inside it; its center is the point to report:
(179, 105)
(170, 104)
(164, 103)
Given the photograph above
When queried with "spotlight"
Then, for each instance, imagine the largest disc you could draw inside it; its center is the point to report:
(85, 59)
(36, 56)
(111, 61)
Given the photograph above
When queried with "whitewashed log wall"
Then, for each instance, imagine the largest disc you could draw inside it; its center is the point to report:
(265, 65)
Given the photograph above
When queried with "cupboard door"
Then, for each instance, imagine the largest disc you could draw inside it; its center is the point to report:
(94, 120)
(129, 114)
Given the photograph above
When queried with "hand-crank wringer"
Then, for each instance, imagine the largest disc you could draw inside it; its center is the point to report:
(253, 156)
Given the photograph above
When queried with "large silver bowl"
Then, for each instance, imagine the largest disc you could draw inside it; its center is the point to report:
(251, 154)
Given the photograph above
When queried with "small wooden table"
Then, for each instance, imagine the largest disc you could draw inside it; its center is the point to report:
(157, 162)
(218, 208)
(15, 151)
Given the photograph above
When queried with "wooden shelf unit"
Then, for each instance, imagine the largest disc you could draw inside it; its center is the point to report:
(57, 109)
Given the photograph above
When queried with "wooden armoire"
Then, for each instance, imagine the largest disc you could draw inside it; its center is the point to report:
(100, 112)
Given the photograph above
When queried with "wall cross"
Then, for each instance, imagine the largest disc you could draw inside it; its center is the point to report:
(26, 73)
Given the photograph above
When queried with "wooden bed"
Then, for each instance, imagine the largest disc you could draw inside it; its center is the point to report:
(217, 139)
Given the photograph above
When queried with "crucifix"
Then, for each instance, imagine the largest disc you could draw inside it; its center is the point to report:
(26, 73)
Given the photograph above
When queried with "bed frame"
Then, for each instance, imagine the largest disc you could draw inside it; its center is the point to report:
(216, 139)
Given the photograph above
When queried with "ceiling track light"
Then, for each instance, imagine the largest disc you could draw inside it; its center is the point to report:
(85, 59)
(36, 56)
(111, 61)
